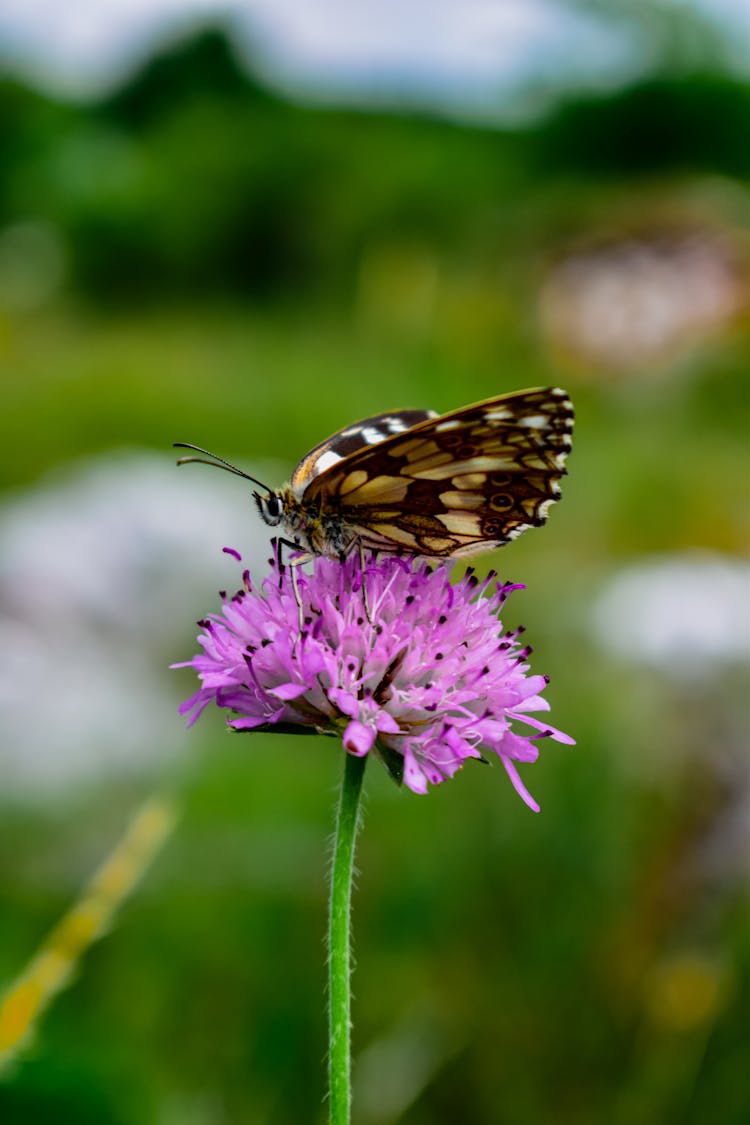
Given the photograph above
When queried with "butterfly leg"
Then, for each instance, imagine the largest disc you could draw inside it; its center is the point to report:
(343, 556)
(368, 615)
(293, 564)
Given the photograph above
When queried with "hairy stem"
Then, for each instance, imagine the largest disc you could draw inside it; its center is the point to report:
(339, 942)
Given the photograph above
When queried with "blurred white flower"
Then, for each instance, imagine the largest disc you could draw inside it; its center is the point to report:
(638, 301)
(92, 568)
(688, 615)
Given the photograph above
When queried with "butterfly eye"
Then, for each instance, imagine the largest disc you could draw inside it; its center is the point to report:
(271, 508)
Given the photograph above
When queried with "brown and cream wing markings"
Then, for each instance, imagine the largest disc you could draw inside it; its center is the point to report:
(448, 485)
(355, 438)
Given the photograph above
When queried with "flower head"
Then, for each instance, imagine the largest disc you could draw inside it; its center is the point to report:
(419, 671)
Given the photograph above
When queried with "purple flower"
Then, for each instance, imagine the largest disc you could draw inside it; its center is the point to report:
(426, 681)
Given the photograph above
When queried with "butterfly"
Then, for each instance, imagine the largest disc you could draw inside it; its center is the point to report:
(413, 482)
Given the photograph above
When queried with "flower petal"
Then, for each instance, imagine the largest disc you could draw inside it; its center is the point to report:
(519, 786)
(385, 722)
(413, 776)
(344, 700)
(358, 738)
(249, 722)
(545, 728)
(288, 691)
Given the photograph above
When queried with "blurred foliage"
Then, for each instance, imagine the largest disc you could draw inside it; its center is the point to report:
(194, 180)
(251, 274)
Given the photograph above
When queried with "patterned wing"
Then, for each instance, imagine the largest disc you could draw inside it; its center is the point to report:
(359, 436)
(457, 484)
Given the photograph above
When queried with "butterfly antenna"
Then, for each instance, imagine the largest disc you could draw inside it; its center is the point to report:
(216, 462)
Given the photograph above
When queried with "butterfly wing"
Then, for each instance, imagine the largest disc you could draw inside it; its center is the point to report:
(359, 436)
(456, 484)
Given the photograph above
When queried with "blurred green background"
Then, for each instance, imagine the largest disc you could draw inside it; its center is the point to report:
(198, 255)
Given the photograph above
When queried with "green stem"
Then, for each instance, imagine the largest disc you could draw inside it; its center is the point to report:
(339, 943)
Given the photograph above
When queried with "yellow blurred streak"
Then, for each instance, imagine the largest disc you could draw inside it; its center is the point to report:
(52, 966)
(687, 992)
